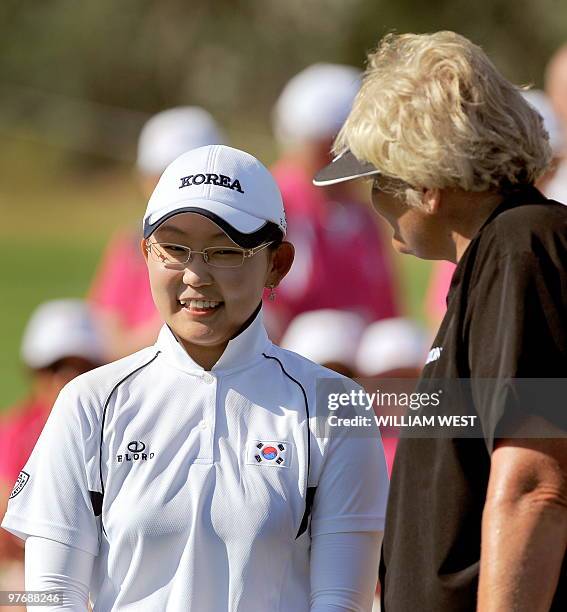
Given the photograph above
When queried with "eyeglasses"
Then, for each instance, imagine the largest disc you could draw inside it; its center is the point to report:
(176, 256)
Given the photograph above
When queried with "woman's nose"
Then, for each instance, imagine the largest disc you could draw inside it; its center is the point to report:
(197, 272)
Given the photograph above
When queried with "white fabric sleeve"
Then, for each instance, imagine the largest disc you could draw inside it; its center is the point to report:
(353, 484)
(52, 566)
(344, 571)
(51, 498)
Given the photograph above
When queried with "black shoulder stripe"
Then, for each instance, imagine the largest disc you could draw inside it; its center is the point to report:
(310, 493)
(308, 506)
(104, 417)
(96, 501)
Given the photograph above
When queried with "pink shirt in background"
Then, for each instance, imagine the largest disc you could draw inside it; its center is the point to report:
(121, 285)
(19, 430)
(390, 444)
(439, 284)
(340, 261)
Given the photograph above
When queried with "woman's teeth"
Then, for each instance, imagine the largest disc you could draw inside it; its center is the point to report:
(198, 304)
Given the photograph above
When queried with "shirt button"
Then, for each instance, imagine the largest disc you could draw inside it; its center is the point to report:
(208, 378)
(203, 424)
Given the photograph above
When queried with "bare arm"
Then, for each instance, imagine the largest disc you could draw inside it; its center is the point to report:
(524, 525)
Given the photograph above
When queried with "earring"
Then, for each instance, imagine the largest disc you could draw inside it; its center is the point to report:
(272, 295)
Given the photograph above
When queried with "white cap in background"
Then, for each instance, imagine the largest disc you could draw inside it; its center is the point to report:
(59, 329)
(539, 100)
(315, 103)
(325, 336)
(173, 132)
(228, 186)
(391, 344)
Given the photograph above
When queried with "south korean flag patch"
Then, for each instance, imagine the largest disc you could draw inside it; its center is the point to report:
(20, 483)
(269, 453)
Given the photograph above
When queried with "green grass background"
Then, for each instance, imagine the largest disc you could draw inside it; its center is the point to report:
(54, 226)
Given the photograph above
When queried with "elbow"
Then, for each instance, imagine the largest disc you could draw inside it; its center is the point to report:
(528, 487)
(542, 499)
(546, 498)
(542, 490)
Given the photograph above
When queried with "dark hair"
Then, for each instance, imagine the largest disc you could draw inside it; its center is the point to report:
(269, 232)
(274, 235)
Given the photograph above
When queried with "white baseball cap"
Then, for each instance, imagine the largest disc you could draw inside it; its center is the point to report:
(315, 103)
(391, 344)
(59, 329)
(539, 100)
(171, 133)
(325, 336)
(226, 185)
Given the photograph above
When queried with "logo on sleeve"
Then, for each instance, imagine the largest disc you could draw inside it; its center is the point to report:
(268, 453)
(20, 483)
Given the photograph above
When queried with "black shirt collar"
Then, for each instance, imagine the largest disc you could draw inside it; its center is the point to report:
(517, 196)
(520, 195)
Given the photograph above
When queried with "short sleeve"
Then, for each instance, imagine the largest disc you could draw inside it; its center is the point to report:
(518, 342)
(353, 484)
(51, 498)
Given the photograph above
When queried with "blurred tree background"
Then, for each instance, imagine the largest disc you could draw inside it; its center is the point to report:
(79, 79)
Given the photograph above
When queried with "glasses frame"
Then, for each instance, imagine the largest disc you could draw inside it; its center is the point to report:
(246, 254)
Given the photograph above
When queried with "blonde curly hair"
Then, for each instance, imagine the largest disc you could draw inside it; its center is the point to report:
(433, 111)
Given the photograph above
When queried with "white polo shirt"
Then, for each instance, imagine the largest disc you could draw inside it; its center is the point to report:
(202, 478)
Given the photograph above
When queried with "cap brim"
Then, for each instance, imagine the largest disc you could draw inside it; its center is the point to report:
(242, 228)
(344, 167)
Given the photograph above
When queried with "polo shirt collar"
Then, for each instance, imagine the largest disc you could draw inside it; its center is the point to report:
(247, 346)
(520, 195)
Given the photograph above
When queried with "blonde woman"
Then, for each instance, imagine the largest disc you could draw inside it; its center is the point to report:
(476, 520)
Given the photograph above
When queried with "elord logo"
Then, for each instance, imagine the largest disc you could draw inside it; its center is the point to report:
(136, 448)
(220, 180)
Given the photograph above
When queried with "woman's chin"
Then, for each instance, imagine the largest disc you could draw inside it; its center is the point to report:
(197, 332)
(400, 246)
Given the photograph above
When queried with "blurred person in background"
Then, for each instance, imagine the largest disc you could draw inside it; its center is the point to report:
(390, 352)
(60, 342)
(392, 349)
(556, 89)
(335, 234)
(120, 291)
(476, 520)
(442, 271)
(327, 337)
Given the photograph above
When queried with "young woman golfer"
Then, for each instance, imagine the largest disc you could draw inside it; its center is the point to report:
(188, 476)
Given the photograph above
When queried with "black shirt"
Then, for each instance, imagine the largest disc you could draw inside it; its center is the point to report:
(506, 319)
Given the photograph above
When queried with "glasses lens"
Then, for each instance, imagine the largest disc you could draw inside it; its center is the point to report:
(225, 257)
(170, 253)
